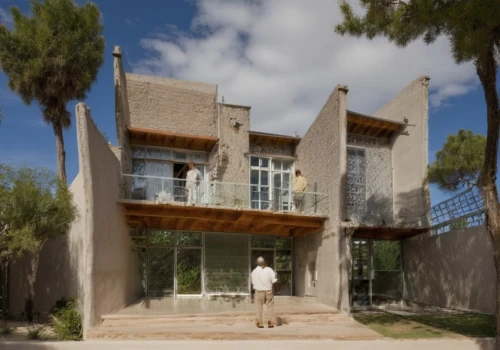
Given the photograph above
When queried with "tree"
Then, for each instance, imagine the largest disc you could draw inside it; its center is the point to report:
(459, 163)
(473, 30)
(53, 58)
(35, 206)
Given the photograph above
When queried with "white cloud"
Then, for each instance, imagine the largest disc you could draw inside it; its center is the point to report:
(284, 59)
(5, 17)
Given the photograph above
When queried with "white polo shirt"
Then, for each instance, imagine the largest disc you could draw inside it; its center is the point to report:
(263, 278)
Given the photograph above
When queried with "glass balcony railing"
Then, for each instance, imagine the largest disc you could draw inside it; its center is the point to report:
(222, 194)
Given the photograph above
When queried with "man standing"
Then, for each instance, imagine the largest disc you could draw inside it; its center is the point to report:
(263, 278)
(299, 186)
(193, 178)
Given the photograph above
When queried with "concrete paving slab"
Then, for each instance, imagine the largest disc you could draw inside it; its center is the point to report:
(441, 344)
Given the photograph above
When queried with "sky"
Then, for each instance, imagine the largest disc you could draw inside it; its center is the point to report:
(282, 57)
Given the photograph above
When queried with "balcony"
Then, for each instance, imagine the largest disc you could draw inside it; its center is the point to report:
(221, 207)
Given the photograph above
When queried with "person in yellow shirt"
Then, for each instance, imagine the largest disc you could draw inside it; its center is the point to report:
(299, 186)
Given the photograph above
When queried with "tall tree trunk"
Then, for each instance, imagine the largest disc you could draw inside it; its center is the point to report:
(31, 275)
(487, 72)
(4, 268)
(61, 153)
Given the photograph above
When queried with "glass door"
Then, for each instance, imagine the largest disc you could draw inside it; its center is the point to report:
(360, 273)
(284, 263)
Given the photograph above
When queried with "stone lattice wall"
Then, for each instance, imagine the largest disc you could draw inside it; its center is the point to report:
(378, 174)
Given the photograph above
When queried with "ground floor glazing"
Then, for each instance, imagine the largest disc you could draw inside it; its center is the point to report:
(376, 274)
(204, 264)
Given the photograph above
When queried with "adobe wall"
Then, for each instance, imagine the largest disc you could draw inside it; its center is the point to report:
(172, 105)
(454, 270)
(321, 158)
(409, 152)
(112, 278)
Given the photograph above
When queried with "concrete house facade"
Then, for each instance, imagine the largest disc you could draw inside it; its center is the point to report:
(136, 238)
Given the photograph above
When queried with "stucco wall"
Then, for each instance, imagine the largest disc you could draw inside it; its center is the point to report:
(59, 273)
(172, 105)
(122, 112)
(233, 143)
(321, 158)
(111, 275)
(454, 269)
(409, 152)
(378, 172)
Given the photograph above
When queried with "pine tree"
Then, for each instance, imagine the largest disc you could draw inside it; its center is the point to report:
(473, 30)
(53, 58)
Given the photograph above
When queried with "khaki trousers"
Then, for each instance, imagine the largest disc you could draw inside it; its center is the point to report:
(266, 297)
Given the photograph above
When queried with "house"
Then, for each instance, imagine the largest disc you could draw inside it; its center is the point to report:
(136, 236)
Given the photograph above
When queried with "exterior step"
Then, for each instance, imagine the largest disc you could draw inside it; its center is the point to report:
(130, 321)
(299, 330)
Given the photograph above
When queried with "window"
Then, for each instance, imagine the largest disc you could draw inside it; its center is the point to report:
(259, 183)
(282, 185)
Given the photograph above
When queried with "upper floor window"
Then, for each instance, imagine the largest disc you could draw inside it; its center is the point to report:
(270, 183)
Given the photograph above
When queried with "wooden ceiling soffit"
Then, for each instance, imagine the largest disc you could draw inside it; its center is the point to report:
(174, 217)
(369, 126)
(148, 137)
(271, 140)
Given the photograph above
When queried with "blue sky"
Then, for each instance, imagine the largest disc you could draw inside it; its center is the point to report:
(283, 61)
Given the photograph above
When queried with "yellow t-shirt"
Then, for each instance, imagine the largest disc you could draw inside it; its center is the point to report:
(299, 184)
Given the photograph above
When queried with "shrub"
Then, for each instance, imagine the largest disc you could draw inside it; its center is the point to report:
(6, 331)
(68, 325)
(34, 333)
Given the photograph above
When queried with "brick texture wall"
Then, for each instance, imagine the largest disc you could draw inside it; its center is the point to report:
(321, 158)
(172, 105)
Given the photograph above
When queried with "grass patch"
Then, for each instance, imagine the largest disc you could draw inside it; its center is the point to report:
(469, 325)
(427, 326)
(34, 333)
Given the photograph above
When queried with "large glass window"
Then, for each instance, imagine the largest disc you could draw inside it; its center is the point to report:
(260, 183)
(161, 271)
(376, 274)
(226, 263)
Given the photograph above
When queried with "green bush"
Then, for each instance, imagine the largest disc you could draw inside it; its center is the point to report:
(68, 325)
(6, 331)
(34, 333)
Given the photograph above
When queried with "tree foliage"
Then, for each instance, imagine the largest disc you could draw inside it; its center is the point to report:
(52, 58)
(472, 26)
(35, 206)
(458, 164)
